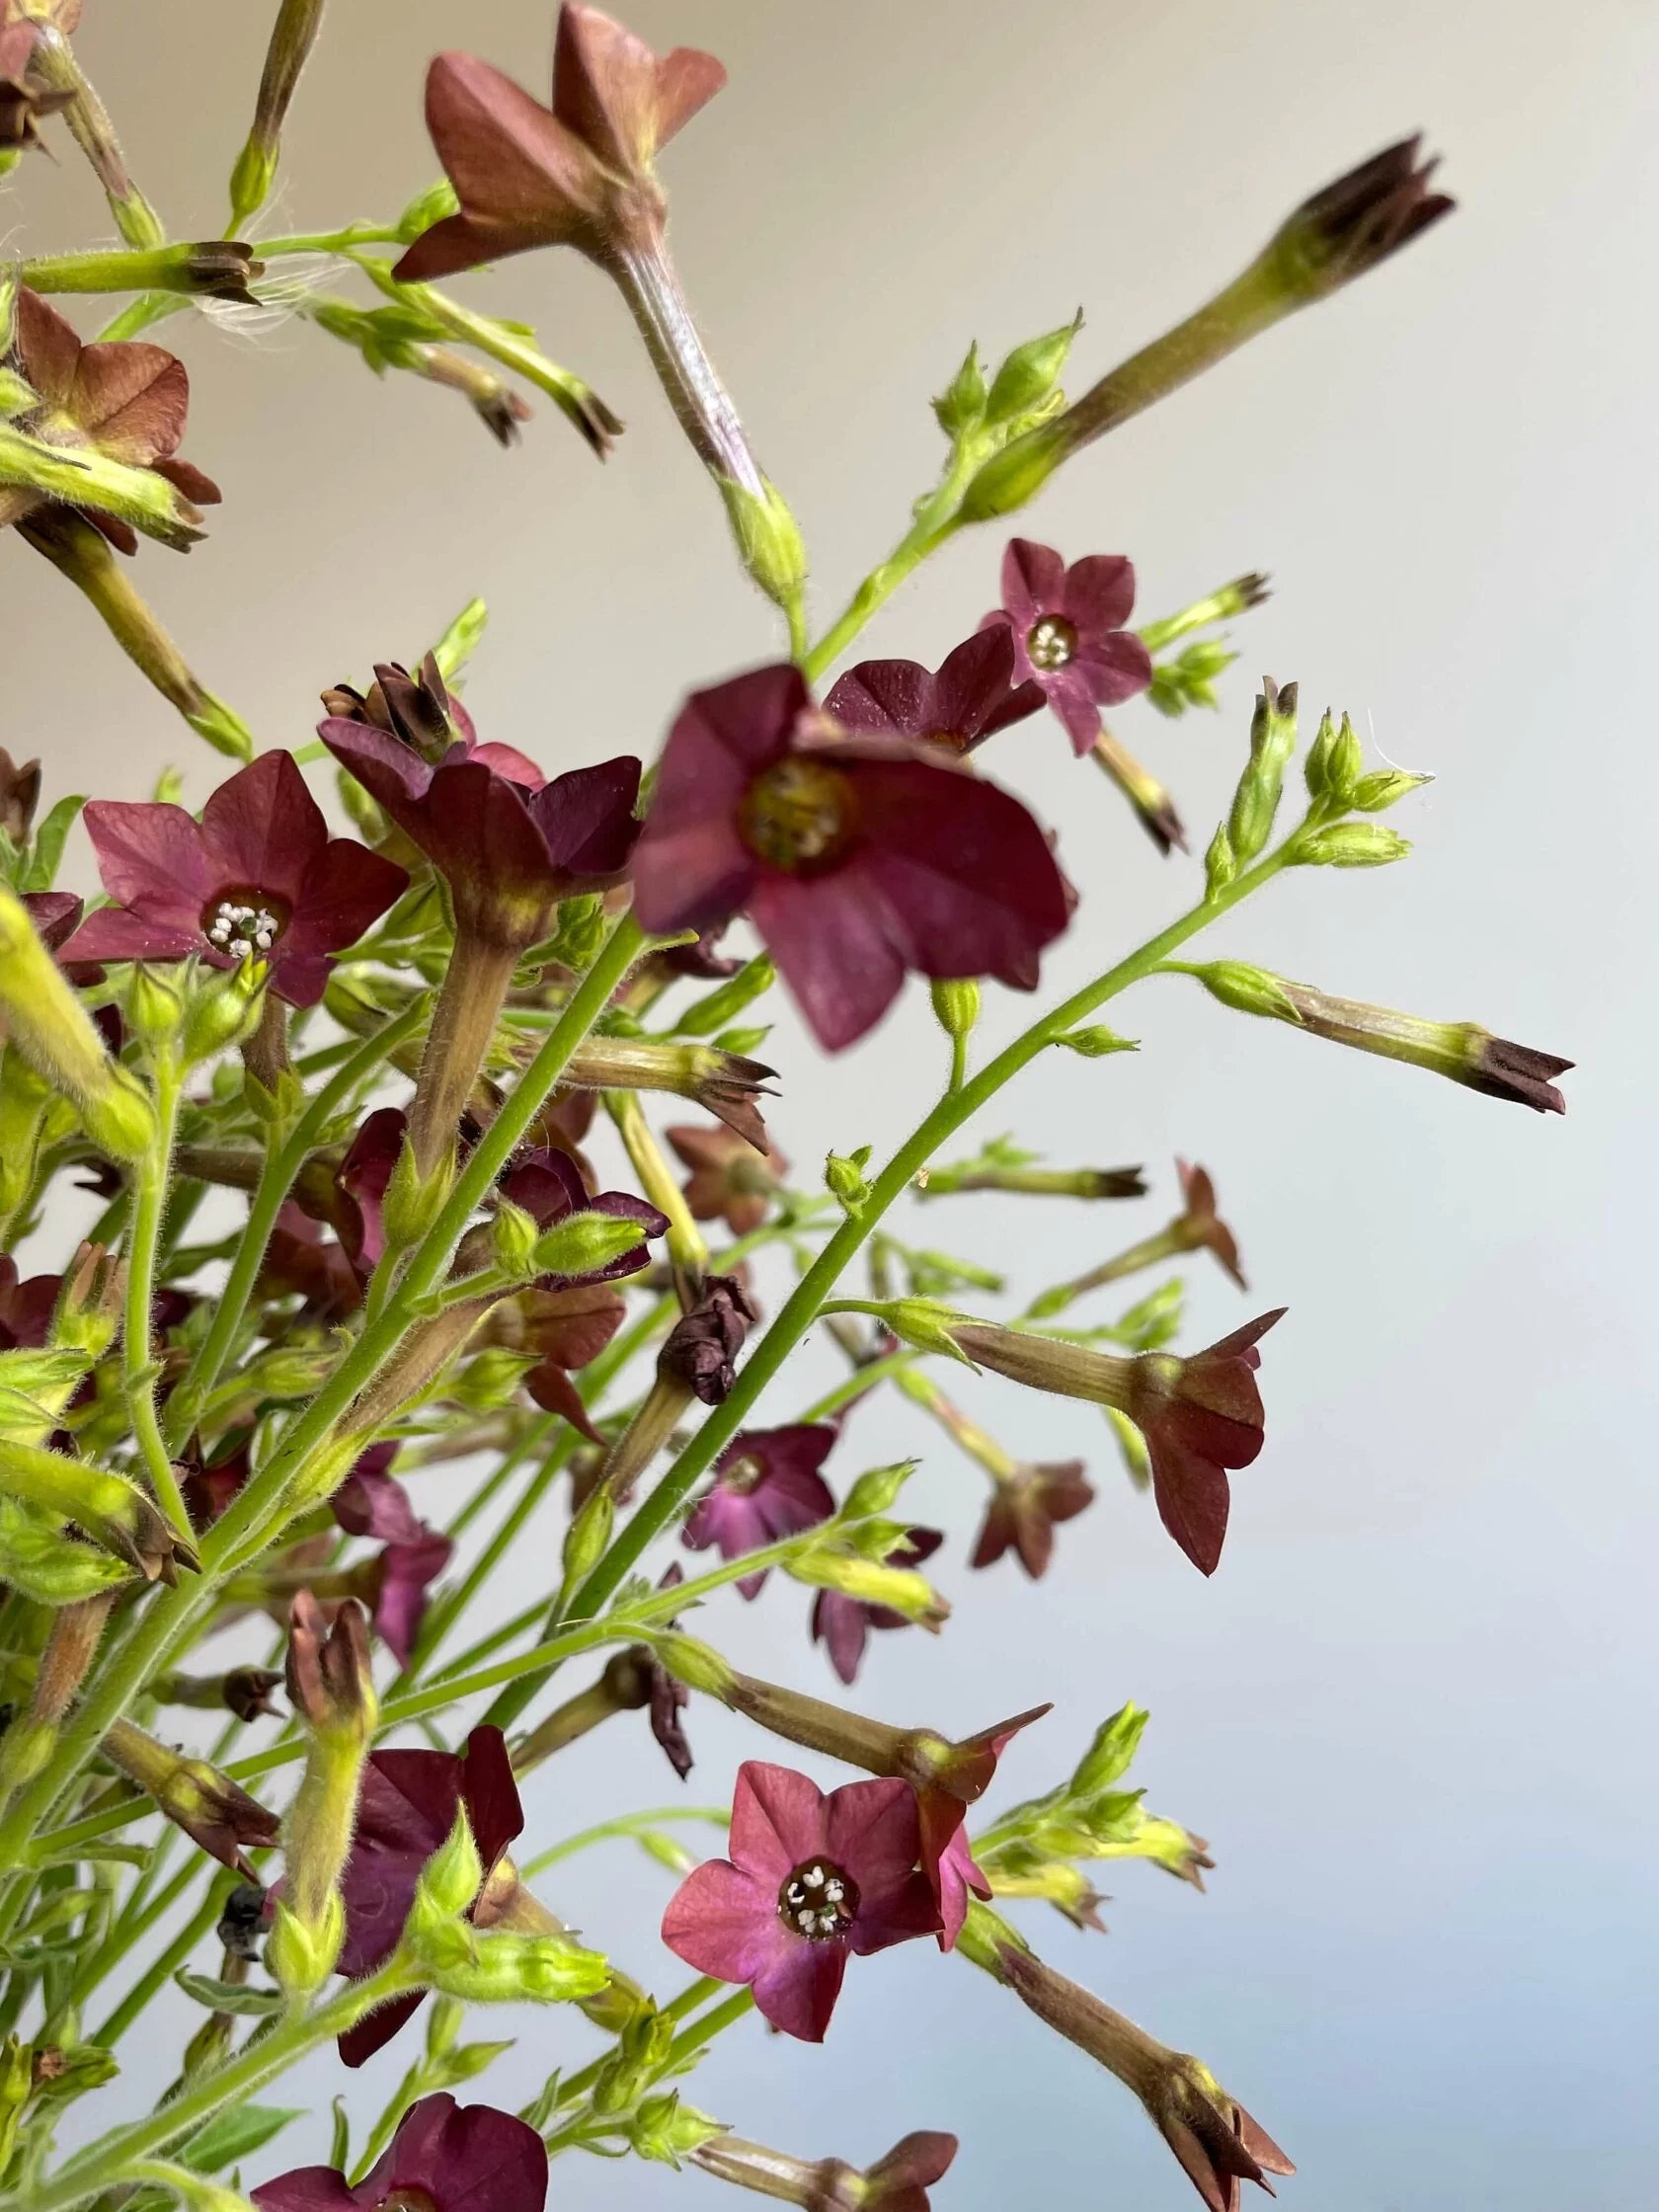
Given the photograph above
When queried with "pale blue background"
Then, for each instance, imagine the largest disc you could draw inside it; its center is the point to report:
(1415, 1710)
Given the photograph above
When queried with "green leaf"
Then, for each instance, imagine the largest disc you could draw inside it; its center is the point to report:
(235, 1998)
(235, 2133)
(46, 847)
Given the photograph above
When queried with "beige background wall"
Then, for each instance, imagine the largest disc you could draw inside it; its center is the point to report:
(1415, 1710)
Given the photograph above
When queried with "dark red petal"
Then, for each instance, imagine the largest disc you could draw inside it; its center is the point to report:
(50, 348)
(797, 1993)
(587, 816)
(1193, 1497)
(972, 681)
(779, 1820)
(263, 829)
(870, 1831)
(359, 2044)
(1099, 593)
(841, 1624)
(687, 79)
(887, 695)
(1115, 668)
(514, 165)
(151, 854)
(346, 889)
(1033, 580)
(490, 1793)
(505, 760)
(112, 933)
(134, 399)
(832, 950)
(555, 1392)
(308, 2188)
(548, 1185)
(470, 2159)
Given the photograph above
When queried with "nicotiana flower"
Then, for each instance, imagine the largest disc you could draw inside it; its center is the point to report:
(1199, 1416)
(700, 1351)
(444, 2156)
(406, 1809)
(898, 2182)
(548, 1185)
(394, 1586)
(258, 877)
(580, 173)
(300, 1258)
(730, 1180)
(566, 1330)
(811, 1879)
(766, 1486)
(1200, 1226)
(127, 401)
(842, 1625)
(1025, 1509)
(856, 858)
(1069, 627)
(947, 1778)
(508, 852)
(969, 697)
(424, 713)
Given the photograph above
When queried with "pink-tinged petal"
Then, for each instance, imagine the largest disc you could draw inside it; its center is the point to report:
(408, 1571)
(832, 950)
(1193, 1498)
(490, 1793)
(894, 697)
(956, 1874)
(463, 2159)
(962, 870)
(1115, 668)
(112, 933)
(843, 1626)
(1099, 592)
(587, 819)
(308, 2188)
(345, 891)
(797, 1993)
(133, 399)
(359, 2044)
(870, 1830)
(54, 914)
(1033, 580)
(264, 830)
(725, 1923)
(372, 1503)
(151, 854)
(975, 694)
(778, 1819)
(893, 1912)
(515, 166)
(362, 1178)
(1074, 701)
(505, 760)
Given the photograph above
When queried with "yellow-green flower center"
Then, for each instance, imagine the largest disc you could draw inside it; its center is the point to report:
(799, 816)
(1051, 642)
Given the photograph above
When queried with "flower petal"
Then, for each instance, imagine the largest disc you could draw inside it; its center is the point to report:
(1033, 580)
(490, 1793)
(778, 1819)
(263, 829)
(1193, 1499)
(832, 950)
(345, 889)
(1099, 592)
(514, 165)
(797, 1992)
(724, 1922)
(870, 1830)
(888, 696)
(115, 933)
(587, 817)
(151, 854)
(1115, 668)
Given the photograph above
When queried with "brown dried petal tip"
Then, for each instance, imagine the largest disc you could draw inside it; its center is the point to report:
(1361, 218)
(1516, 1072)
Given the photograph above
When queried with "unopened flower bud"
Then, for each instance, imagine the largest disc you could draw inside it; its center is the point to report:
(90, 1304)
(302, 1954)
(1273, 730)
(48, 1026)
(224, 1009)
(699, 1665)
(1384, 788)
(584, 1244)
(1246, 989)
(872, 1582)
(770, 541)
(1028, 375)
(955, 1006)
(665, 2130)
(514, 1969)
(959, 407)
(723, 1004)
(329, 1672)
(413, 1201)
(513, 1236)
(876, 1490)
(1220, 863)
(843, 1178)
(291, 39)
(450, 1881)
(588, 1535)
(1333, 764)
(1351, 844)
(154, 1010)
(700, 1351)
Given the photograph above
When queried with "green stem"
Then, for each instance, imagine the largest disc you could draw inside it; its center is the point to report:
(161, 1968)
(104, 2164)
(138, 1362)
(934, 524)
(664, 1502)
(276, 1181)
(626, 1824)
(862, 1379)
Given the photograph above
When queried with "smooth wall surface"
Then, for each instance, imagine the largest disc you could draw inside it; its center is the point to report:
(1415, 1710)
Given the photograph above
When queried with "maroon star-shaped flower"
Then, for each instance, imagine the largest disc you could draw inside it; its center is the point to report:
(810, 1880)
(508, 852)
(968, 698)
(842, 1625)
(856, 858)
(730, 1179)
(258, 877)
(1025, 1509)
(766, 1486)
(1200, 1417)
(580, 173)
(1069, 627)
(450, 2157)
(406, 1808)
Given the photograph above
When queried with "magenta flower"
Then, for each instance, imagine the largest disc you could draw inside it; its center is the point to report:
(810, 1880)
(509, 852)
(396, 1582)
(258, 878)
(404, 1811)
(25, 1307)
(856, 858)
(1026, 1507)
(766, 1486)
(360, 1183)
(967, 699)
(450, 2157)
(1068, 626)
(548, 1185)
(842, 1625)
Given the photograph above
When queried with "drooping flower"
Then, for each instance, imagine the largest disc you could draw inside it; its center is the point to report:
(300, 1258)
(508, 852)
(766, 1486)
(450, 2157)
(580, 173)
(20, 795)
(730, 1180)
(1069, 634)
(699, 1353)
(856, 858)
(126, 400)
(811, 1881)
(1026, 1507)
(1199, 1416)
(566, 1330)
(898, 2182)
(1200, 1226)
(258, 877)
(842, 1625)
(947, 1778)
(406, 1809)
(968, 698)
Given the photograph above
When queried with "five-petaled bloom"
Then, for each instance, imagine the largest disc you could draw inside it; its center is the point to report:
(1200, 1226)
(969, 697)
(1025, 1509)
(766, 1486)
(810, 1880)
(843, 1624)
(1069, 634)
(856, 858)
(258, 878)
(730, 1179)
(508, 848)
(444, 2158)
(404, 1811)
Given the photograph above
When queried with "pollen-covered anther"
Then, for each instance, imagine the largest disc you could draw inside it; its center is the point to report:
(1051, 642)
(242, 931)
(818, 1900)
(799, 816)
